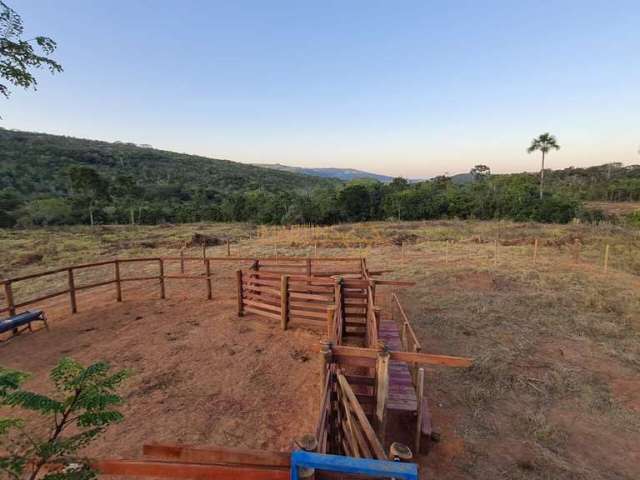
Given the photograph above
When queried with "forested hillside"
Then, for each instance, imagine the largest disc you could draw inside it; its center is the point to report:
(51, 180)
(38, 173)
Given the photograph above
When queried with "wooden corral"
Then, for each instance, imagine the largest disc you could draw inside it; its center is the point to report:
(371, 359)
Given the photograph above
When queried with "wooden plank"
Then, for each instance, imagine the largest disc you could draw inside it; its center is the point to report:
(307, 322)
(262, 305)
(311, 296)
(409, 357)
(396, 283)
(271, 315)
(142, 468)
(216, 455)
(362, 418)
(308, 314)
(94, 285)
(261, 289)
(39, 299)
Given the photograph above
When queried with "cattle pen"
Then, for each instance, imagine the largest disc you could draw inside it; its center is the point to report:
(371, 362)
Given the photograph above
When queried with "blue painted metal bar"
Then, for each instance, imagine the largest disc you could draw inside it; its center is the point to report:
(360, 466)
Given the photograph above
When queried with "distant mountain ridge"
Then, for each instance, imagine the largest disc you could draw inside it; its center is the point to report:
(344, 174)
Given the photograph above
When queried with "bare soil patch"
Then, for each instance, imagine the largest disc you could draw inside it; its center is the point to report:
(200, 374)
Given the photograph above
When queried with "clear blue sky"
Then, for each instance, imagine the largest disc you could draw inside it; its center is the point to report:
(403, 88)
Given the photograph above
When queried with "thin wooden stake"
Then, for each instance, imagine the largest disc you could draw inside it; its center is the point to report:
(535, 250)
(72, 291)
(182, 260)
(240, 294)
(228, 248)
(161, 265)
(420, 396)
(118, 283)
(8, 293)
(606, 258)
(208, 273)
(284, 301)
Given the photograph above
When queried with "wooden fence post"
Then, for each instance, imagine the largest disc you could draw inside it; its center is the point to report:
(284, 301)
(315, 249)
(331, 311)
(228, 248)
(182, 261)
(382, 391)
(325, 351)
(240, 294)
(535, 250)
(72, 291)
(308, 267)
(606, 258)
(420, 396)
(208, 273)
(8, 293)
(161, 276)
(118, 284)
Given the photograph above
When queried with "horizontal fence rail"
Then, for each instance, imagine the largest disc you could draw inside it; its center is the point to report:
(10, 304)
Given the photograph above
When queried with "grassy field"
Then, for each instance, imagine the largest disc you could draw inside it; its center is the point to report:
(554, 392)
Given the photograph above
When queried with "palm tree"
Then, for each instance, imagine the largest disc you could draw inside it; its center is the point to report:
(544, 143)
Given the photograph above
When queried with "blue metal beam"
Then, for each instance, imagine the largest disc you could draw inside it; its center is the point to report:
(361, 466)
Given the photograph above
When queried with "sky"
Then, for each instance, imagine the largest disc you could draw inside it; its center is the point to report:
(402, 88)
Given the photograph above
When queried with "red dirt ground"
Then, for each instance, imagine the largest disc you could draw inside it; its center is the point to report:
(200, 374)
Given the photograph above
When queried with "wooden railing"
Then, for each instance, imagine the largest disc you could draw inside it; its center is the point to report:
(298, 300)
(72, 287)
(408, 337)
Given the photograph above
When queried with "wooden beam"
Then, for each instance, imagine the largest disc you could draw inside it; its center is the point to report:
(284, 301)
(240, 294)
(408, 357)
(142, 468)
(397, 283)
(116, 265)
(216, 455)
(72, 291)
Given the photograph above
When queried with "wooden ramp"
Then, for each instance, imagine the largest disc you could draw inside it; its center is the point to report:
(402, 394)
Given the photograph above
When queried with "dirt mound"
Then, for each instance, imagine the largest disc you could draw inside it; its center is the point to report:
(27, 259)
(404, 238)
(199, 239)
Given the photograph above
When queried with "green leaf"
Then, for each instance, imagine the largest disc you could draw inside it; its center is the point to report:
(33, 401)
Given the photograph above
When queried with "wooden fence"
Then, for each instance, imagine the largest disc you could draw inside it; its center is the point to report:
(110, 272)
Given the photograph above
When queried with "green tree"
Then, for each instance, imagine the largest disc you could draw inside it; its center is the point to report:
(18, 57)
(480, 172)
(543, 143)
(88, 186)
(47, 211)
(82, 407)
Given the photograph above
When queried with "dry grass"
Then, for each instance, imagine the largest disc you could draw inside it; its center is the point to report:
(555, 386)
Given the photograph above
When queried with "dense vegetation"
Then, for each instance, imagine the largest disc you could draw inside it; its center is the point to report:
(49, 180)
